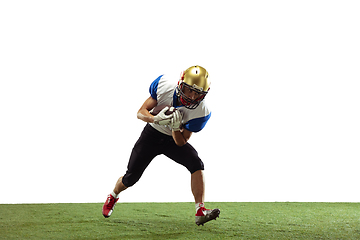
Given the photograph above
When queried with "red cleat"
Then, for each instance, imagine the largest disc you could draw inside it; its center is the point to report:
(109, 206)
(204, 215)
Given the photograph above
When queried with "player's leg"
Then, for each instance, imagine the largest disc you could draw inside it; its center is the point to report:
(198, 186)
(145, 149)
(119, 186)
(187, 156)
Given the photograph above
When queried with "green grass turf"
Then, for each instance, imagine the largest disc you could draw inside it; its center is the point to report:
(176, 221)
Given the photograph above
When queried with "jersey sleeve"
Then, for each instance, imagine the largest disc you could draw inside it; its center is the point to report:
(197, 124)
(153, 87)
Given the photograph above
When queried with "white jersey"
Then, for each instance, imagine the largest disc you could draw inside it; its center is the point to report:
(163, 90)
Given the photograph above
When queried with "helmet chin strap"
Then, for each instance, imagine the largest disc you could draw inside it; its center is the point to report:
(183, 102)
(179, 101)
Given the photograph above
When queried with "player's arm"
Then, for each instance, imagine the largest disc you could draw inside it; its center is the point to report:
(181, 137)
(143, 112)
(179, 134)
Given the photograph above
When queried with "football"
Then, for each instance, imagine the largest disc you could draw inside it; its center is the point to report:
(155, 111)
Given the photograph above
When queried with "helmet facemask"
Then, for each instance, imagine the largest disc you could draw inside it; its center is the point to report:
(185, 100)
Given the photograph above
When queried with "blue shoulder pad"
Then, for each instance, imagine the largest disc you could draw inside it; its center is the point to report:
(153, 87)
(197, 124)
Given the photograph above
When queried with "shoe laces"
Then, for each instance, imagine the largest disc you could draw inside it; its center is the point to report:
(111, 202)
(203, 211)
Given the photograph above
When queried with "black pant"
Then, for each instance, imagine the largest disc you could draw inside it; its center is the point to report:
(152, 143)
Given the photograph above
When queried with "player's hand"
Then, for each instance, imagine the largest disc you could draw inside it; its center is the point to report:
(161, 118)
(176, 121)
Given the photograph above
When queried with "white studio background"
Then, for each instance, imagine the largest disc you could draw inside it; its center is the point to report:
(284, 97)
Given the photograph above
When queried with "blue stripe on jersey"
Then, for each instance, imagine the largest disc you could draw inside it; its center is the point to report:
(196, 124)
(153, 87)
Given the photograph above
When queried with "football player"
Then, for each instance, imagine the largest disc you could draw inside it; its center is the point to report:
(169, 135)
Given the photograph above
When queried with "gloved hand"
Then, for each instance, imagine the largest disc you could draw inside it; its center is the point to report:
(176, 121)
(161, 118)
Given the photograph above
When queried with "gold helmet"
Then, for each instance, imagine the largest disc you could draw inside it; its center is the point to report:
(195, 78)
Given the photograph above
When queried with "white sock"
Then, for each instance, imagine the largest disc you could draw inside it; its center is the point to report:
(115, 195)
(198, 205)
